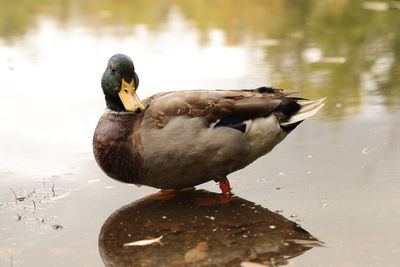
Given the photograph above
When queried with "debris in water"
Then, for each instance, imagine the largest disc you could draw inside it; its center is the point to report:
(17, 198)
(365, 151)
(52, 188)
(19, 217)
(57, 227)
(197, 254)
(144, 242)
(282, 173)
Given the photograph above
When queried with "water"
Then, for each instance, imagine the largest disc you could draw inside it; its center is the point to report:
(337, 173)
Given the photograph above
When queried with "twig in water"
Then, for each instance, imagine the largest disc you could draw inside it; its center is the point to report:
(34, 205)
(16, 197)
(52, 188)
(32, 193)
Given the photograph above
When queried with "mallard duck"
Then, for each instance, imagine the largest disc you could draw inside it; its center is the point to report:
(181, 139)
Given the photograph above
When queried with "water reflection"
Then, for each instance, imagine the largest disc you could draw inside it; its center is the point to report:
(200, 235)
(339, 49)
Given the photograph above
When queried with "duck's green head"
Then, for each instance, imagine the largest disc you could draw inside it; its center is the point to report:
(119, 83)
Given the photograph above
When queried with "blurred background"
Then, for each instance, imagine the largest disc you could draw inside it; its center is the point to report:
(337, 174)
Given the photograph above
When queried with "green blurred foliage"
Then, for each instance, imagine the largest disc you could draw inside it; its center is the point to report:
(363, 44)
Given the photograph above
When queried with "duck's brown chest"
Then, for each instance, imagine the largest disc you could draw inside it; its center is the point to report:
(116, 148)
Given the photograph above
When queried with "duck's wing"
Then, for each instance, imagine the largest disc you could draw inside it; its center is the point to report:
(222, 107)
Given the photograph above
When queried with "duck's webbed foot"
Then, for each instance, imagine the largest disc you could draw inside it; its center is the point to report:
(224, 198)
(167, 194)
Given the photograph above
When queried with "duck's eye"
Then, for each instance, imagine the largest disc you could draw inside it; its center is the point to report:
(126, 90)
(112, 69)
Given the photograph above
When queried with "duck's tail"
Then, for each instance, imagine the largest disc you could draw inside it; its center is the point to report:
(307, 109)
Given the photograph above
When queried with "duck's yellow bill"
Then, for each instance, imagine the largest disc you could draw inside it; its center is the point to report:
(129, 98)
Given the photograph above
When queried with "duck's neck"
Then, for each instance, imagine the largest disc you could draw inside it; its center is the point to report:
(114, 103)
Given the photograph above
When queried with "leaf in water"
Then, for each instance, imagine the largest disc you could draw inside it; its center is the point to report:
(144, 242)
(198, 253)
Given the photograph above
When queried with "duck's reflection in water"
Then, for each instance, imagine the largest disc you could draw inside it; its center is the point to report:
(194, 234)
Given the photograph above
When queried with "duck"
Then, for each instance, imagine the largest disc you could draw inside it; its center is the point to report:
(181, 139)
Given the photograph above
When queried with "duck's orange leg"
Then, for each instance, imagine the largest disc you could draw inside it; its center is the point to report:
(225, 187)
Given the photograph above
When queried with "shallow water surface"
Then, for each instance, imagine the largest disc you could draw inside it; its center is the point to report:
(328, 193)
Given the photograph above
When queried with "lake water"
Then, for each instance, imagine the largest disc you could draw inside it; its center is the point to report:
(332, 185)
